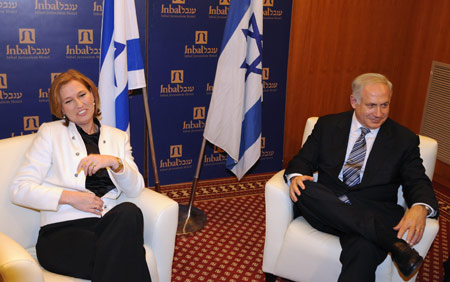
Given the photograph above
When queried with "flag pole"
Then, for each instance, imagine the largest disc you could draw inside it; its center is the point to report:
(147, 109)
(150, 138)
(190, 218)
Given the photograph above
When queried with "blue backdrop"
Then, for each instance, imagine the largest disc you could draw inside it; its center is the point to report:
(42, 38)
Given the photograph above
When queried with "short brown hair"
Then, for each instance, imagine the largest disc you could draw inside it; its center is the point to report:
(61, 80)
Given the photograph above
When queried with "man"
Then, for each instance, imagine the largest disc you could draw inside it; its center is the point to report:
(361, 158)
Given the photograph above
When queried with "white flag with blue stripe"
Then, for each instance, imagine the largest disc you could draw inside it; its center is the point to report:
(234, 116)
(121, 66)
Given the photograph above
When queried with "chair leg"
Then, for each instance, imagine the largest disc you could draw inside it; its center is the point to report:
(270, 277)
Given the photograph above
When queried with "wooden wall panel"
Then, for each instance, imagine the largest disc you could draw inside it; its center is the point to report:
(429, 40)
(333, 41)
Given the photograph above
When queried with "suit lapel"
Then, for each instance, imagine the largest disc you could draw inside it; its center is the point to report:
(380, 149)
(340, 140)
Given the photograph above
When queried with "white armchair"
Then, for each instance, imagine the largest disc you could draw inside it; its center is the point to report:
(296, 251)
(19, 226)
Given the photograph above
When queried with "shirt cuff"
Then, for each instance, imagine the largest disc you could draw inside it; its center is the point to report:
(431, 211)
(290, 176)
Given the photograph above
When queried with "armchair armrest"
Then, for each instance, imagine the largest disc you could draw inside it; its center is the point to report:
(429, 234)
(279, 214)
(16, 264)
(160, 228)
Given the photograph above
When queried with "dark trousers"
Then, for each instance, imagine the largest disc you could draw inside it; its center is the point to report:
(365, 228)
(100, 249)
(447, 270)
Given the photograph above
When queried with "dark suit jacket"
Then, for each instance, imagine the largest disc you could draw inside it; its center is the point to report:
(394, 160)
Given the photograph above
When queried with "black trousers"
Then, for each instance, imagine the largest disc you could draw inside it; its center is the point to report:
(447, 270)
(365, 228)
(100, 249)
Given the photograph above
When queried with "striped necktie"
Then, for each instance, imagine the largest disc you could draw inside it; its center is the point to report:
(355, 160)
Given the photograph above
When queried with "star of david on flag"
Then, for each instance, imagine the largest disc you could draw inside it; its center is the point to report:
(234, 116)
(121, 66)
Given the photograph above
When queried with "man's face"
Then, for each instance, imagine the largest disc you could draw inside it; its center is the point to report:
(373, 110)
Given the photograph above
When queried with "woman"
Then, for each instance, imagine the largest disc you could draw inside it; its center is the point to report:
(73, 173)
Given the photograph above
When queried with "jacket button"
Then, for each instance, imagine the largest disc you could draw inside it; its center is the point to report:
(77, 154)
(104, 141)
(73, 137)
(76, 174)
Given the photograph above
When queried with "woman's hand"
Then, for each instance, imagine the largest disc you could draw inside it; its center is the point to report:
(83, 201)
(92, 163)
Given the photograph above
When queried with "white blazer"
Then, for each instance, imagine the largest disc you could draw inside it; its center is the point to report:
(50, 167)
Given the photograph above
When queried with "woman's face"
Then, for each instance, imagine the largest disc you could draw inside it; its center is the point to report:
(78, 104)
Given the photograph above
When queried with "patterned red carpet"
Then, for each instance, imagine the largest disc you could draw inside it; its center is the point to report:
(230, 246)
(431, 270)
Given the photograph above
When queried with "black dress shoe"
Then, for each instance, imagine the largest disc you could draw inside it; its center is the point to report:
(406, 258)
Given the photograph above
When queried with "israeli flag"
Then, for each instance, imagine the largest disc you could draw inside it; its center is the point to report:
(121, 66)
(234, 116)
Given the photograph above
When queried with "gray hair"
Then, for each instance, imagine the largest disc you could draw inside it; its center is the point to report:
(366, 79)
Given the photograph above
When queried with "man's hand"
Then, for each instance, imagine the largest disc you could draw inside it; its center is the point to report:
(414, 221)
(296, 183)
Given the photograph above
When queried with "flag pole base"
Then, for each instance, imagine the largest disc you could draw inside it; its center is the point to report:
(190, 221)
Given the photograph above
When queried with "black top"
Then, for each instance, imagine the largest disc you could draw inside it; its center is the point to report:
(99, 183)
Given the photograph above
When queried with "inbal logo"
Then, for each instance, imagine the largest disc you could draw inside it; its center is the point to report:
(268, 3)
(27, 36)
(53, 75)
(197, 123)
(176, 9)
(175, 161)
(201, 37)
(209, 88)
(199, 113)
(176, 151)
(3, 81)
(85, 36)
(30, 123)
(219, 11)
(43, 93)
(176, 86)
(269, 12)
(176, 76)
(265, 73)
(199, 48)
(82, 50)
(8, 7)
(98, 8)
(218, 157)
(264, 153)
(267, 85)
(55, 7)
(8, 97)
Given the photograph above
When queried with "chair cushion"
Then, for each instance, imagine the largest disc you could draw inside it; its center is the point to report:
(314, 255)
